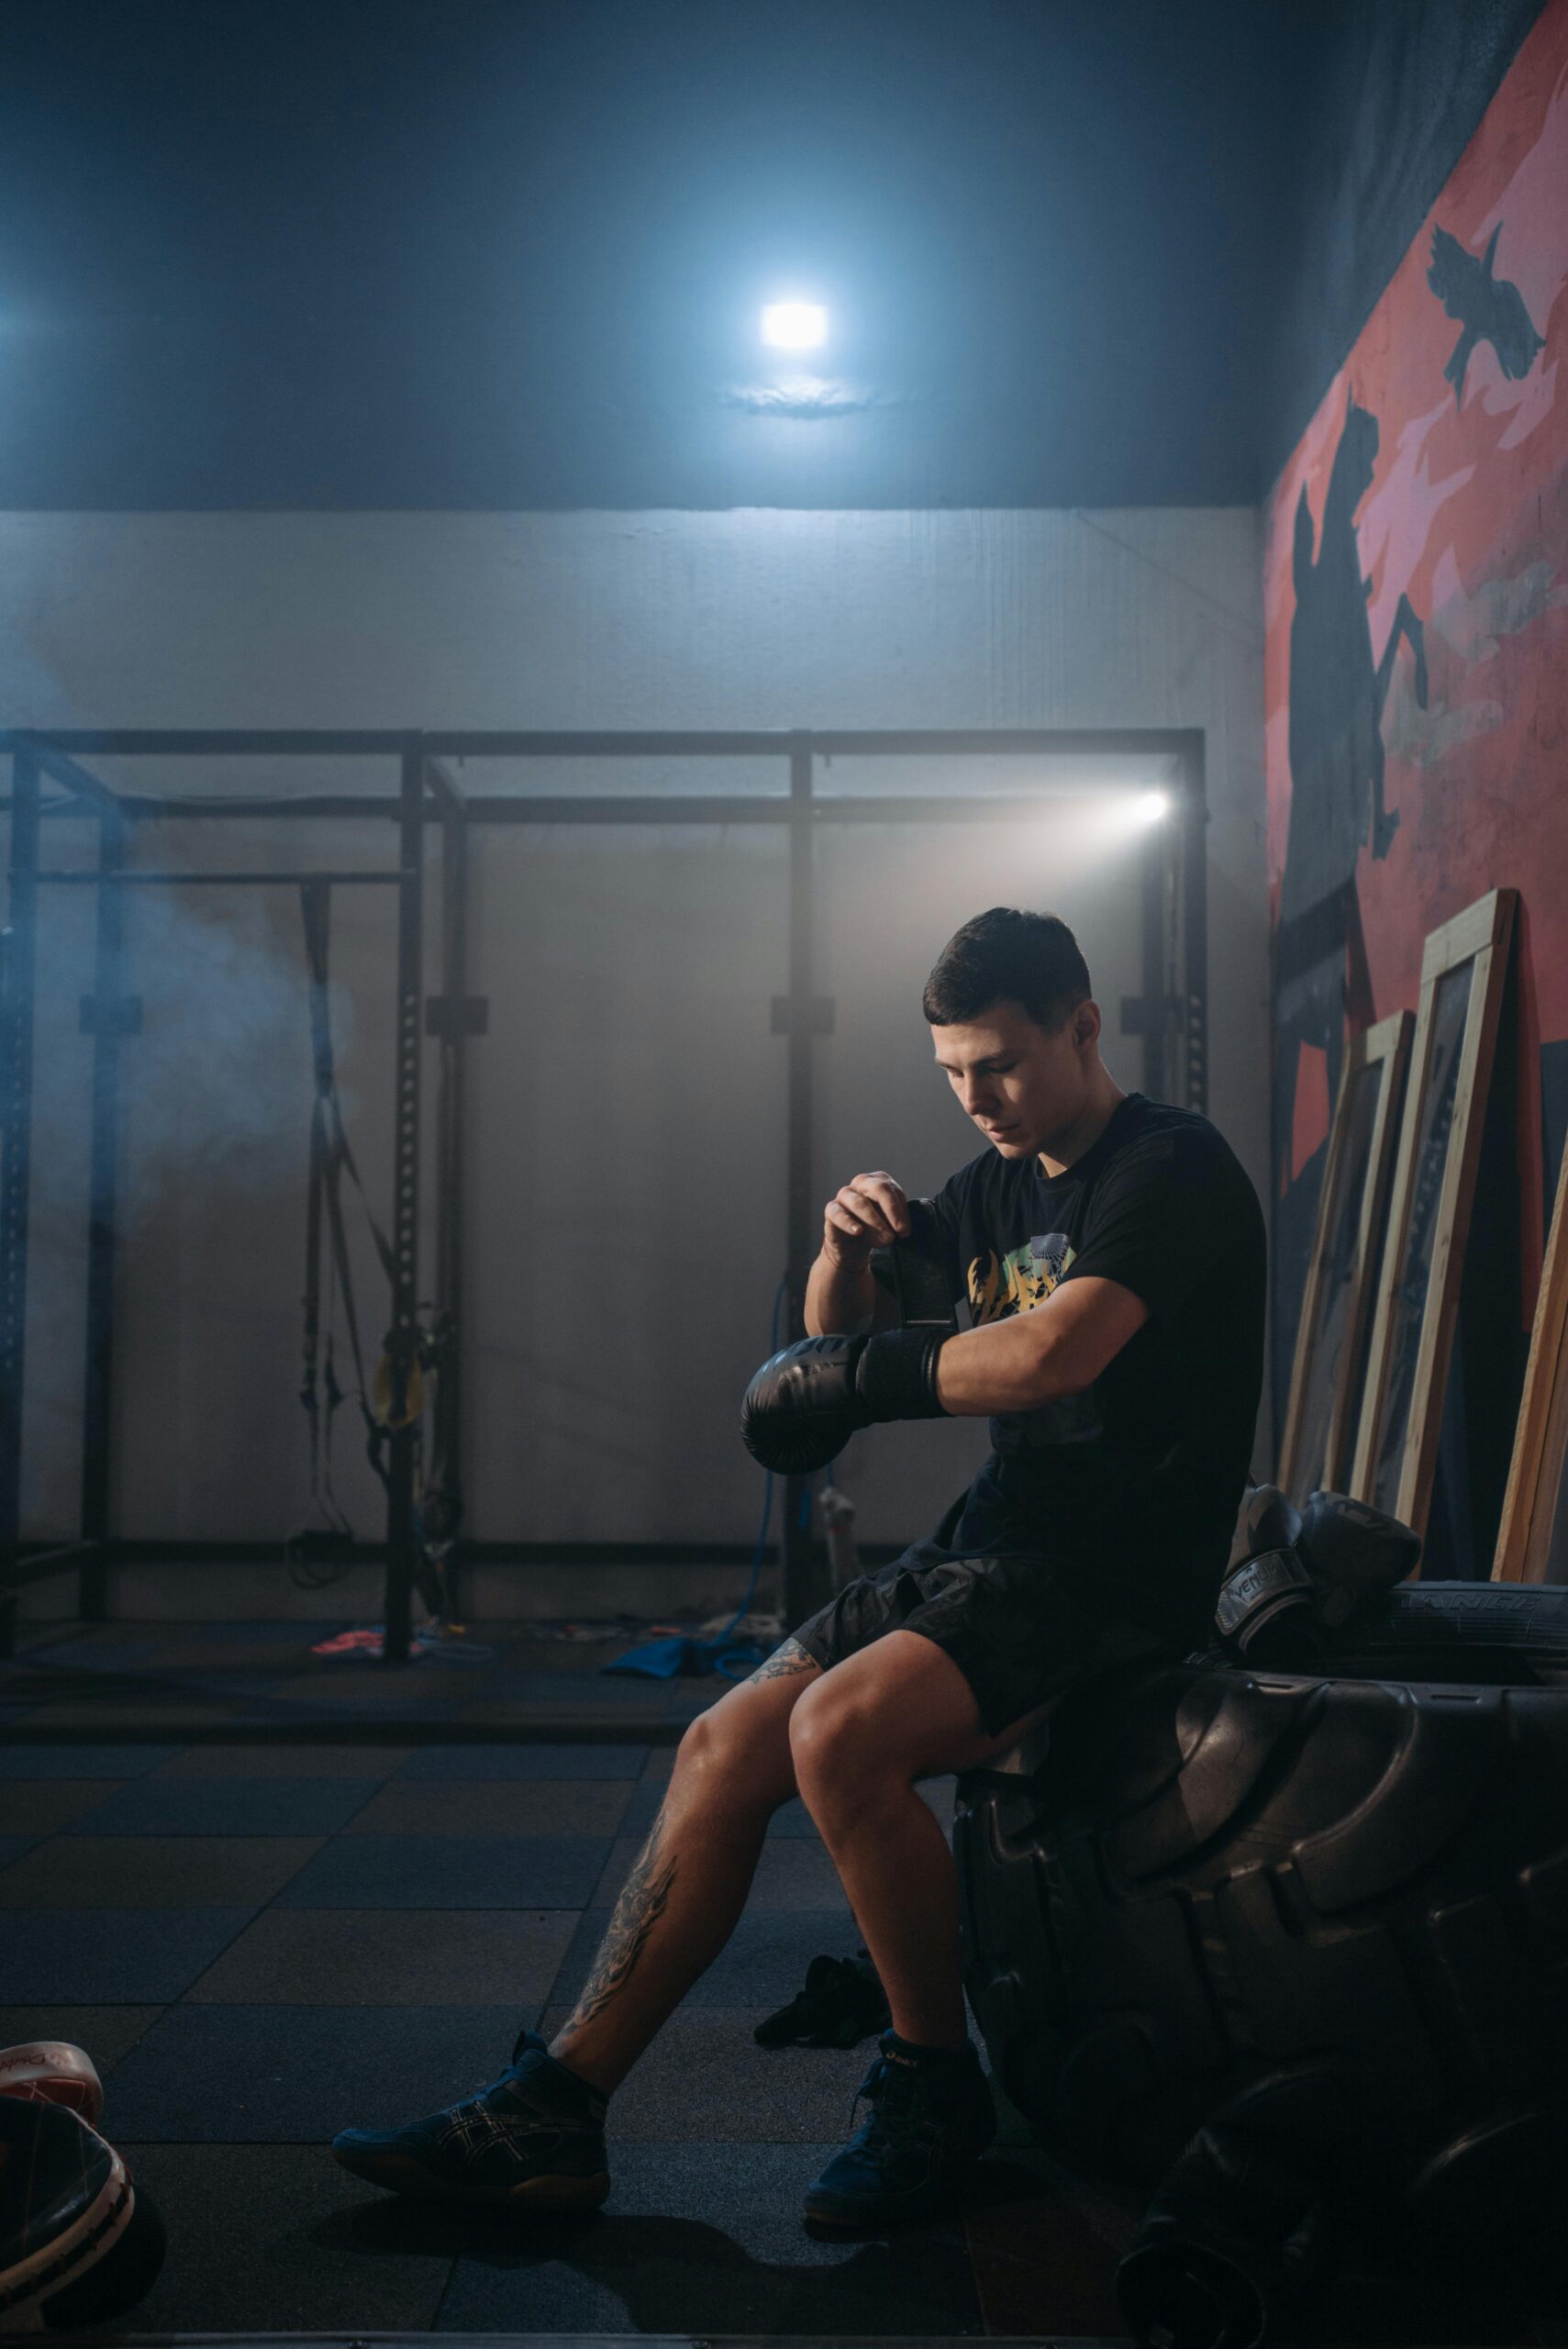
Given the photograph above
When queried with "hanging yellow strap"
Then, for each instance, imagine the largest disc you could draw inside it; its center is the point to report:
(384, 1391)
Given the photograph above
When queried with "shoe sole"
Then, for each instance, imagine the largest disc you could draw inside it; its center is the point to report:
(400, 2173)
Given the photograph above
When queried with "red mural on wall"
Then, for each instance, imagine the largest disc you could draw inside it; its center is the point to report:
(1416, 593)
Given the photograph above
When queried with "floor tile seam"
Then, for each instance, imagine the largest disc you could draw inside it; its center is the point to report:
(83, 1832)
(372, 2006)
(364, 1806)
(181, 1907)
(125, 2140)
(138, 1908)
(418, 1908)
(34, 1843)
(87, 1828)
(316, 2005)
(217, 1955)
(151, 1908)
(82, 1823)
(181, 1834)
(404, 1778)
(815, 2147)
(571, 2004)
(447, 2282)
(475, 1835)
(64, 1835)
(89, 2006)
(246, 1913)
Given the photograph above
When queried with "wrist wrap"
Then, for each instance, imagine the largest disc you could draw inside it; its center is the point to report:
(895, 1377)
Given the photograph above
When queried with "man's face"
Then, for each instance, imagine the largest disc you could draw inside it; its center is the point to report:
(1022, 1085)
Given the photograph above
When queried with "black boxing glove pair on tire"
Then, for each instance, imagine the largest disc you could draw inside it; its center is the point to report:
(806, 1403)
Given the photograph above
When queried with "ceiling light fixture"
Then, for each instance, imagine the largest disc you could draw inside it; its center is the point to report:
(795, 326)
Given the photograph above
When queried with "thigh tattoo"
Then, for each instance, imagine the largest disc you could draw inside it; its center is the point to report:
(786, 1662)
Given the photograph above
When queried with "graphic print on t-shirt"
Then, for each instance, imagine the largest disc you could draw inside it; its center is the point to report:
(1133, 1482)
(1024, 1278)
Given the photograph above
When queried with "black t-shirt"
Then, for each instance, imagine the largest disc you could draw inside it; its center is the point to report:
(1135, 1482)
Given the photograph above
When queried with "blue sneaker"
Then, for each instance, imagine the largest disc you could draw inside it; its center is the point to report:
(931, 2117)
(534, 2136)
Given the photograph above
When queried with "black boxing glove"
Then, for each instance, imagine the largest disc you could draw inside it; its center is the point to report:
(806, 1403)
(1298, 1575)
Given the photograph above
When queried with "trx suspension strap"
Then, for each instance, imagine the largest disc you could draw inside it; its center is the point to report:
(330, 1159)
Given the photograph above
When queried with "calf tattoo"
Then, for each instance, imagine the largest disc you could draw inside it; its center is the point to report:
(644, 1898)
(786, 1662)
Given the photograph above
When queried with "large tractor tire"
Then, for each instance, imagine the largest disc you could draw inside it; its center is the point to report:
(1209, 1879)
(1497, 1635)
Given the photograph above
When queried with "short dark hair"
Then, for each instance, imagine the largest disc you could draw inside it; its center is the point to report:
(1005, 956)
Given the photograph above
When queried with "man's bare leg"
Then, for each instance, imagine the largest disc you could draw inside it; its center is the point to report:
(689, 1883)
(899, 1710)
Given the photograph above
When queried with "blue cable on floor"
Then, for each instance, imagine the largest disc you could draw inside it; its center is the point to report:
(685, 1655)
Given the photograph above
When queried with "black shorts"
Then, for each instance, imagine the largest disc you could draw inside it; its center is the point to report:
(1020, 1629)
(1018, 1635)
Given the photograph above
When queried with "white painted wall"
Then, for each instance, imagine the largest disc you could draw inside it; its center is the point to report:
(627, 1106)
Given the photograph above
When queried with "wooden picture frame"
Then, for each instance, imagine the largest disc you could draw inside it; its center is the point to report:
(1462, 971)
(1532, 1538)
(1331, 1342)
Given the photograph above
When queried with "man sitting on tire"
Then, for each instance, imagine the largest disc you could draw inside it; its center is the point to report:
(1112, 1253)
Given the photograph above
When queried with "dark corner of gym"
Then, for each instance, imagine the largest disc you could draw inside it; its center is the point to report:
(783, 1174)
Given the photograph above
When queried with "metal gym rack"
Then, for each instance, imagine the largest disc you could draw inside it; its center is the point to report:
(1171, 1015)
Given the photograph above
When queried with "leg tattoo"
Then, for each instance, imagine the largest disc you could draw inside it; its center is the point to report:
(644, 1899)
(789, 1660)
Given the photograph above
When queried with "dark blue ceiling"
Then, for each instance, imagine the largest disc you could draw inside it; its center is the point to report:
(509, 253)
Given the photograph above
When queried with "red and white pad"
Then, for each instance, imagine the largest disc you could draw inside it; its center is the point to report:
(51, 2071)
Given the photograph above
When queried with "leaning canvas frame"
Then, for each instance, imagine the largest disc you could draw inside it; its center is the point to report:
(1358, 1190)
(1535, 1496)
(1478, 937)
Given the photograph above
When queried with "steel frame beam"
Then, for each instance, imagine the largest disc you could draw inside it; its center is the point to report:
(1063, 741)
(110, 1018)
(454, 1029)
(144, 878)
(1174, 1007)
(403, 1338)
(804, 1589)
(717, 808)
(18, 993)
(1194, 868)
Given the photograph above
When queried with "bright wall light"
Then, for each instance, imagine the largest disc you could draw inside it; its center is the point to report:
(795, 326)
(1152, 807)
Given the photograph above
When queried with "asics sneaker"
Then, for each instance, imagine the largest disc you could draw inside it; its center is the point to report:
(535, 2136)
(931, 2117)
